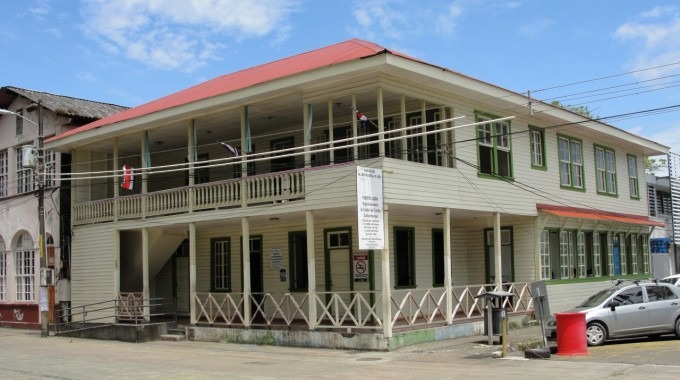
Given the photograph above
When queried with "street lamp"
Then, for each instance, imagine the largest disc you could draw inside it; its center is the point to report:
(39, 169)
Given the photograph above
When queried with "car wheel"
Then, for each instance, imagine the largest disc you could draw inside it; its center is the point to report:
(596, 334)
(677, 328)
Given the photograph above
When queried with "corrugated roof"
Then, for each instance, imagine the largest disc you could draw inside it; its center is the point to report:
(330, 55)
(63, 105)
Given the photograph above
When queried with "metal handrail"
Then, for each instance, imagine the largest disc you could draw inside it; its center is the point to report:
(67, 318)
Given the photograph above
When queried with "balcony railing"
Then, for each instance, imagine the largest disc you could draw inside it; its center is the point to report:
(275, 187)
(360, 310)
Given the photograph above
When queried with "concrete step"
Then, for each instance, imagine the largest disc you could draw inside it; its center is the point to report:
(173, 337)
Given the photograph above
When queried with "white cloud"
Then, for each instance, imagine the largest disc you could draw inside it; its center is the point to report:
(397, 19)
(656, 38)
(536, 28)
(181, 34)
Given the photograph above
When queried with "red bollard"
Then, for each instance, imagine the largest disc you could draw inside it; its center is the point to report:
(571, 334)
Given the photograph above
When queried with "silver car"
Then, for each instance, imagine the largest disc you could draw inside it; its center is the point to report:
(636, 309)
(673, 280)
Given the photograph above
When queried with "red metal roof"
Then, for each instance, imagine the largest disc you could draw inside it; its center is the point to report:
(326, 56)
(582, 213)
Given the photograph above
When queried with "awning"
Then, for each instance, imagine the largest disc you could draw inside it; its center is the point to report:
(583, 213)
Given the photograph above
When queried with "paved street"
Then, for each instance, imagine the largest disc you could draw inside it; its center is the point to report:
(25, 355)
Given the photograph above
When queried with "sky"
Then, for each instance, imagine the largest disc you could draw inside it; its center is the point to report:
(615, 57)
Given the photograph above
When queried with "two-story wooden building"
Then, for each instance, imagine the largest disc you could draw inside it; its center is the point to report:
(239, 199)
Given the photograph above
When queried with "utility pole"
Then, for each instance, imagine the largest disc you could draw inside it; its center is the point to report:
(41, 171)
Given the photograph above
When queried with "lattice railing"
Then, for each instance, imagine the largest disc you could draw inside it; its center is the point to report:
(349, 309)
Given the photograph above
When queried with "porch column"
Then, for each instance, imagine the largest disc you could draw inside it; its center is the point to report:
(192, 273)
(311, 270)
(307, 122)
(443, 149)
(448, 280)
(386, 289)
(355, 148)
(116, 264)
(423, 119)
(116, 181)
(191, 149)
(245, 230)
(402, 141)
(145, 165)
(244, 164)
(145, 272)
(331, 153)
(381, 124)
(497, 250)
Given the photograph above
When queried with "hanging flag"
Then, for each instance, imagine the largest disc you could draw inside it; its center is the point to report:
(229, 148)
(128, 182)
(362, 118)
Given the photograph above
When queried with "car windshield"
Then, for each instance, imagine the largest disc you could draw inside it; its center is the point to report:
(669, 280)
(598, 298)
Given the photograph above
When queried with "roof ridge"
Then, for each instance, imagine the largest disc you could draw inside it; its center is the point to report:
(13, 88)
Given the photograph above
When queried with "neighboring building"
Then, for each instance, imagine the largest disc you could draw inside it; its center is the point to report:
(563, 195)
(19, 222)
(662, 243)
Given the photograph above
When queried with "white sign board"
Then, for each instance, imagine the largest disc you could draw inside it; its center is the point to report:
(276, 258)
(370, 208)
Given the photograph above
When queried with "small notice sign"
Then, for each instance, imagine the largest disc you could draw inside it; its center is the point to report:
(361, 267)
(276, 258)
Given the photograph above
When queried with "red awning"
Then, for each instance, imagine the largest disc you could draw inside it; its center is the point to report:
(582, 213)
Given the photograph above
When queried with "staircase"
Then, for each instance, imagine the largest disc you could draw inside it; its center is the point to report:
(176, 334)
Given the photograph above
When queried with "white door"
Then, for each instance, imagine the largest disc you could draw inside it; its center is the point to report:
(341, 275)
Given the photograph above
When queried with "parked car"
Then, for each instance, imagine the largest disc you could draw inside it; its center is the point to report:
(673, 280)
(627, 310)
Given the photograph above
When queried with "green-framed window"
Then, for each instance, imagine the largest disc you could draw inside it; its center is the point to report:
(220, 264)
(545, 255)
(571, 162)
(507, 255)
(633, 181)
(537, 143)
(404, 257)
(494, 148)
(605, 170)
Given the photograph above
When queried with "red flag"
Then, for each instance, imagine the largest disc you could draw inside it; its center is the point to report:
(128, 182)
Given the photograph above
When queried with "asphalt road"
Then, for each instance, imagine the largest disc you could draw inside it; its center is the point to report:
(25, 355)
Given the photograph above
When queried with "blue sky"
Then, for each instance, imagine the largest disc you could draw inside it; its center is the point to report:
(129, 52)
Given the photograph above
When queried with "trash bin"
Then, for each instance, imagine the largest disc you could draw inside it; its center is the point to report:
(571, 334)
(496, 320)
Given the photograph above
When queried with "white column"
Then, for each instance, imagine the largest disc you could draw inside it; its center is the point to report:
(386, 287)
(381, 124)
(402, 141)
(144, 173)
(331, 154)
(116, 181)
(191, 149)
(245, 230)
(145, 272)
(192, 272)
(448, 280)
(116, 263)
(423, 119)
(307, 131)
(244, 167)
(311, 270)
(497, 250)
(355, 148)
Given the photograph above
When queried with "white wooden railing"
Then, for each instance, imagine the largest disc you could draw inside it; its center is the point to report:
(415, 308)
(275, 187)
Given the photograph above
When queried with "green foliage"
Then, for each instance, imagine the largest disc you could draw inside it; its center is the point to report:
(581, 110)
(653, 165)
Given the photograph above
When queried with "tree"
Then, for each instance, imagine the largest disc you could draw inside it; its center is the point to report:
(581, 110)
(653, 165)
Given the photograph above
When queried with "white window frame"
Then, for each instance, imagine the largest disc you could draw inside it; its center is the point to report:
(4, 173)
(623, 262)
(645, 254)
(581, 254)
(566, 254)
(24, 269)
(633, 254)
(536, 142)
(24, 178)
(597, 267)
(3, 273)
(605, 170)
(571, 162)
(222, 264)
(545, 255)
(610, 254)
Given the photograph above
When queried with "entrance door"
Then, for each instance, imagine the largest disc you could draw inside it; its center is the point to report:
(256, 283)
(339, 266)
(617, 256)
(182, 284)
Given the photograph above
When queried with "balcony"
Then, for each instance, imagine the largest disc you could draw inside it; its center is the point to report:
(261, 189)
